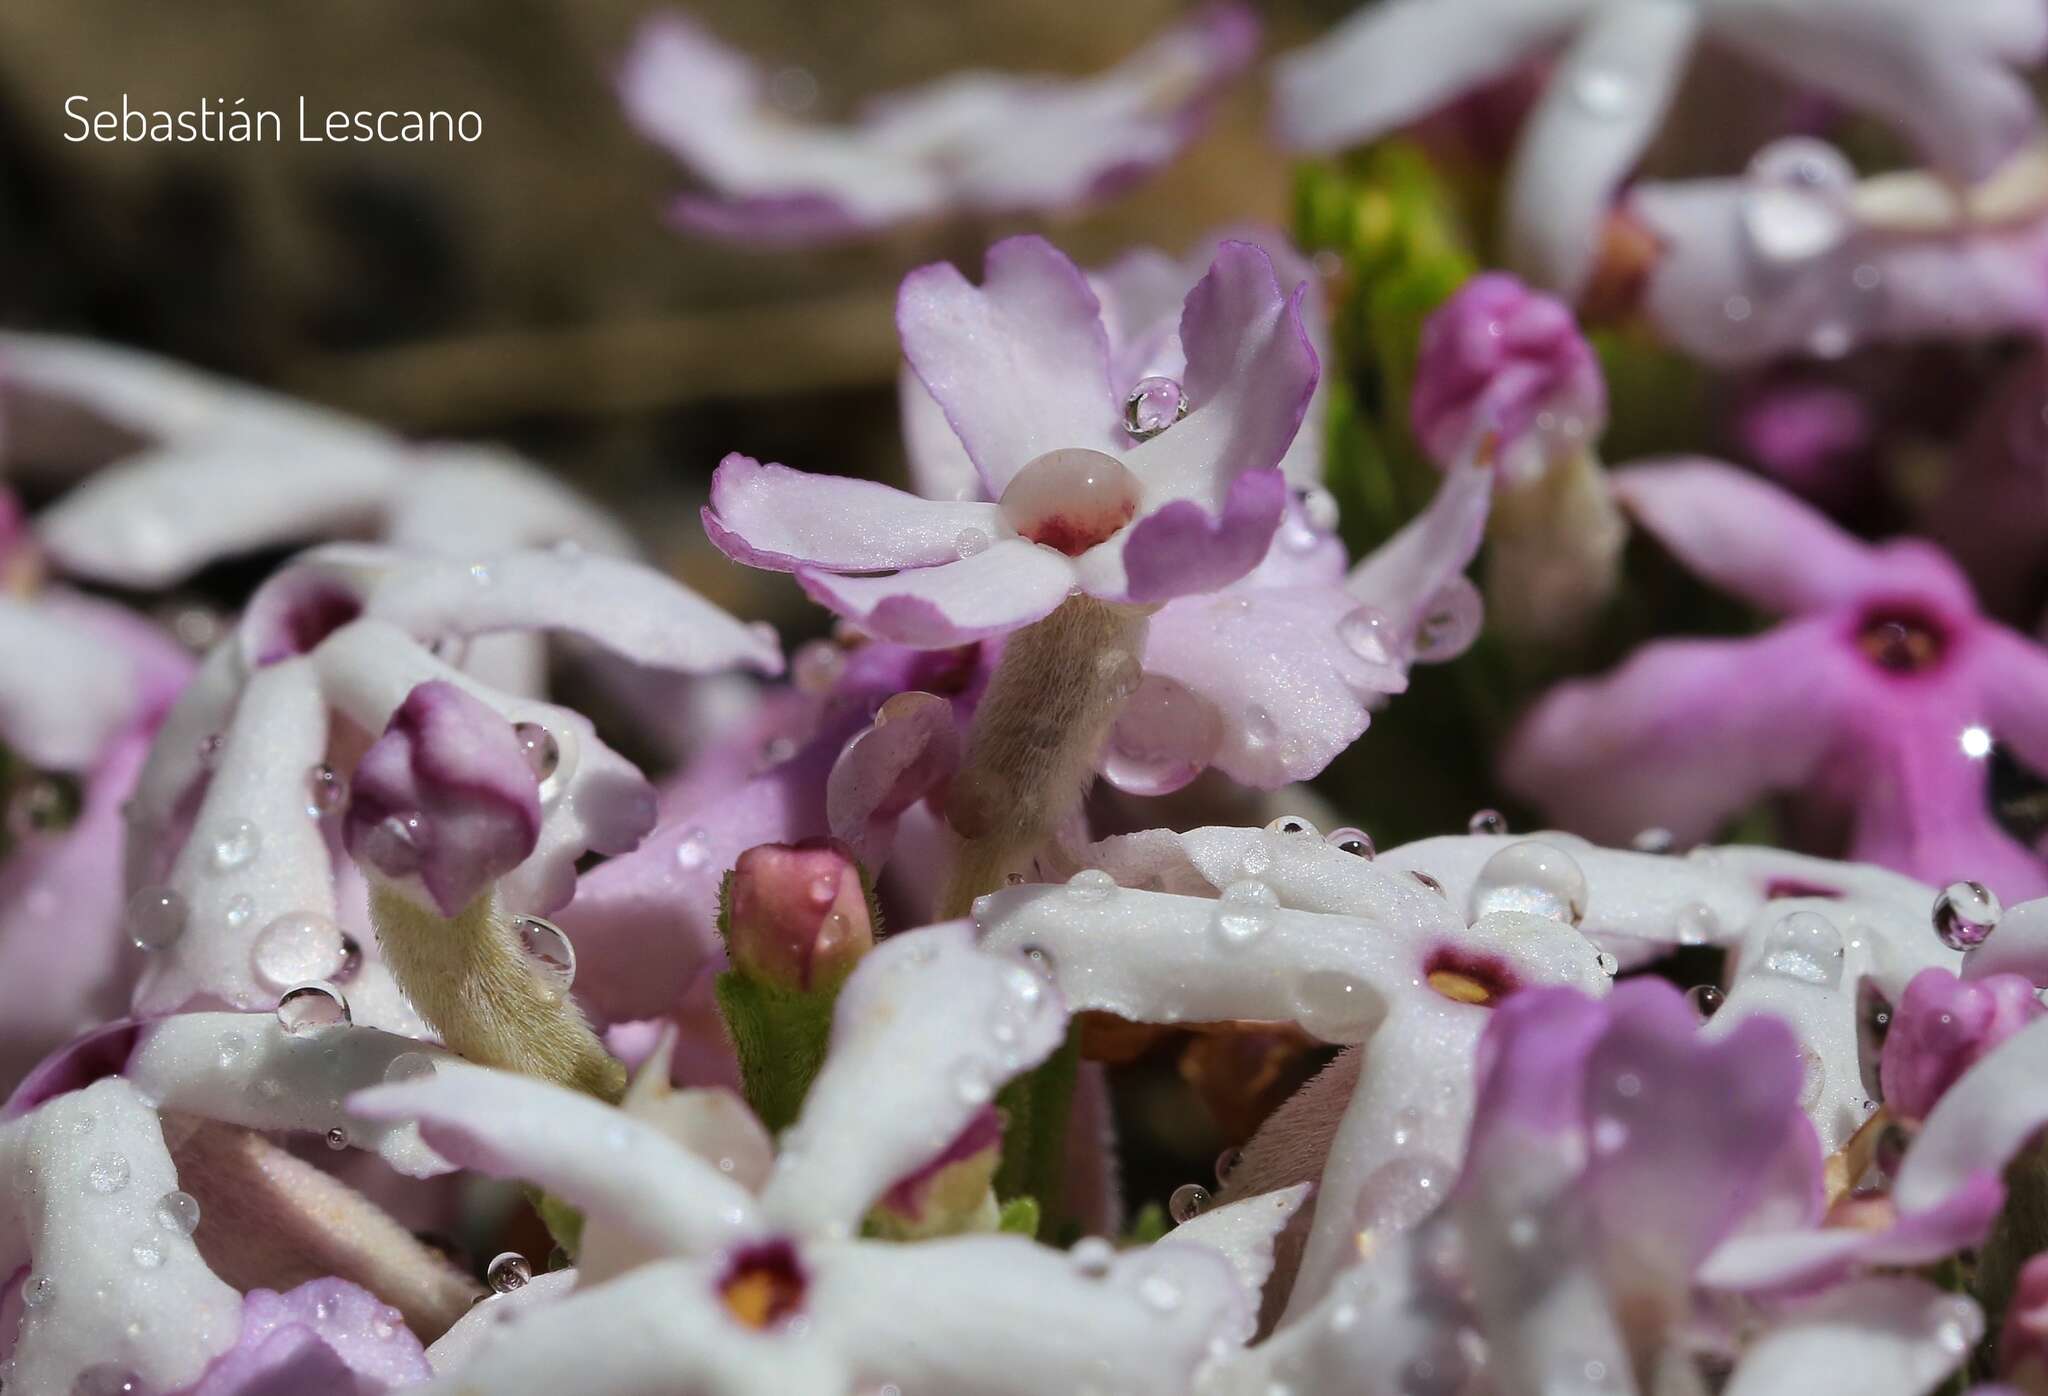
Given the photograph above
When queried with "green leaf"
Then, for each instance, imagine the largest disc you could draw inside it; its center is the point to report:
(1148, 1226)
(1019, 1216)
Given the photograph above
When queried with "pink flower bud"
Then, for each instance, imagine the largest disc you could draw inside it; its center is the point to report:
(797, 914)
(445, 798)
(1941, 1027)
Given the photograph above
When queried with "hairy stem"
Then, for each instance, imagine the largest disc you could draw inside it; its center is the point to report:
(1036, 734)
(468, 976)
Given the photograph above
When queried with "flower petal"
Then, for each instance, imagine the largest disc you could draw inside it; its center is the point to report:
(1182, 549)
(910, 751)
(658, 1193)
(1406, 576)
(459, 498)
(63, 693)
(782, 519)
(323, 1335)
(1595, 118)
(995, 591)
(1892, 1336)
(453, 1349)
(925, 1031)
(1244, 1233)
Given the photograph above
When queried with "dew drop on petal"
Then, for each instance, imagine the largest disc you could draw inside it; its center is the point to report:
(326, 790)
(1450, 623)
(1071, 499)
(1152, 406)
(1292, 824)
(1189, 1201)
(298, 947)
(551, 952)
(107, 1173)
(1164, 735)
(208, 750)
(1226, 1164)
(409, 1066)
(1259, 727)
(1608, 964)
(1091, 885)
(507, 1271)
(1092, 1256)
(178, 1213)
(1602, 92)
(1356, 842)
(1241, 920)
(970, 541)
(239, 909)
(1401, 1192)
(1965, 914)
(108, 1379)
(1805, 946)
(1796, 206)
(543, 753)
(1336, 1006)
(156, 917)
(1367, 633)
(234, 844)
(1320, 507)
(38, 1292)
(1653, 840)
(1530, 876)
(337, 1138)
(314, 1007)
(1706, 999)
(1160, 1292)
(692, 849)
(1486, 821)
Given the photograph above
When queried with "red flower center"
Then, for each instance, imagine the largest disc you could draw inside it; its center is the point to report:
(1071, 499)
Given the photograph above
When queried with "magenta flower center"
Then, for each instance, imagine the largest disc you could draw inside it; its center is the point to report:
(1071, 499)
(1464, 977)
(1902, 642)
(764, 1285)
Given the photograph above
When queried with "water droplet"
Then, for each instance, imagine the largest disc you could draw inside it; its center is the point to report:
(1335, 1006)
(1427, 881)
(239, 909)
(1965, 914)
(409, 1066)
(1736, 308)
(553, 956)
(297, 947)
(1653, 840)
(1450, 623)
(1608, 964)
(209, 750)
(1367, 633)
(38, 1291)
(1804, 946)
(507, 1272)
(107, 1173)
(1292, 824)
(1706, 999)
(1152, 406)
(692, 849)
(1401, 1192)
(45, 806)
(1797, 204)
(543, 753)
(178, 1213)
(816, 667)
(108, 1379)
(970, 541)
(156, 917)
(1602, 92)
(1189, 1201)
(148, 1253)
(1319, 506)
(1091, 885)
(1259, 727)
(1356, 842)
(326, 790)
(1533, 877)
(1244, 912)
(234, 844)
(1071, 499)
(337, 1138)
(1163, 737)
(1092, 1256)
(312, 1008)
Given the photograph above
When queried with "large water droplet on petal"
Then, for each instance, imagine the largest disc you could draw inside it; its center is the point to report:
(1797, 204)
(1450, 623)
(1071, 499)
(109, 1379)
(1189, 1201)
(1336, 1006)
(314, 1007)
(1367, 633)
(178, 1212)
(1804, 946)
(326, 790)
(1356, 842)
(296, 948)
(550, 952)
(1154, 405)
(543, 753)
(1533, 877)
(1092, 1256)
(1163, 737)
(1401, 1192)
(156, 917)
(508, 1271)
(1965, 914)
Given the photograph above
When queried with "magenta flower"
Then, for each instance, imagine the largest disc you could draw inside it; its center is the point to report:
(1021, 367)
(446, 798)
(1940, 1028)
(982, 143)
(1874, 705)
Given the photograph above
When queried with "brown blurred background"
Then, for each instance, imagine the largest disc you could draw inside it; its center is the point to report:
(524, 288)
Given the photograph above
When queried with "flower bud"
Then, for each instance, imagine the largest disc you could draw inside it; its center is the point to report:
(445, 800)
(1500, 358)
(1941, 1027)
(797, 915)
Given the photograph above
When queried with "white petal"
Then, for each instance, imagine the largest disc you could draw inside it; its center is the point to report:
(454, 1349)
(458, 499)
(245, 1069)
(83, 1174)
(1896, 1336)
(1982, 1121)
(175, 764)
(64, 691)
(927, 1029)
(1244, 1233)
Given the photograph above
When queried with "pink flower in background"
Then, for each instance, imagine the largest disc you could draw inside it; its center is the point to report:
(1941, 1027)
(1874, 706)
(1119, 498)
(1944, 78)
(975, 142)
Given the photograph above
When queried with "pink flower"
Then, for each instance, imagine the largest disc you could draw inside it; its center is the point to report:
(1941, 1027)
(324, 1338)
(1874, 705)
(1020, 366)
(975, 142)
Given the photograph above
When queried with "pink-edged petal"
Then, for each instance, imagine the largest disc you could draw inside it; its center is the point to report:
(995, 591)
(1983, 1120)
(1892, 1336)
(325, 1336)
(660, 1330)
(64, 692)
(629, 1173)
(1597, 115)
(774, 517)
(83, 1177)
(246, 1069)
(1758, 542)
(1681, 736)
(1245, 1233)
(1250, 373)
(1945, 81)
(1182, 549)
(1405, 578)
(1360, 80)
(924, 1033)
(911, 751)
(594, 798)
(1019, 1318)
(1019, 364)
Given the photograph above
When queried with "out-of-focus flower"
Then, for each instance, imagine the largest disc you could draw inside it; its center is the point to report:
(1989, 514)
(1948, 81)
(759, 1284)
(1941, 1027)
(324, 1338)
(797, 916)
(1090, 499)
(1874, 706)
(982, 143)
(1504, 374)
(2023, 1341)
(1797, 256)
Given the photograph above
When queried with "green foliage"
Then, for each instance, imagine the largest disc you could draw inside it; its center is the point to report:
(1019, 1217)
(1035, 1107)
(780, 1038)
(1148, 1226)
(564, 1222)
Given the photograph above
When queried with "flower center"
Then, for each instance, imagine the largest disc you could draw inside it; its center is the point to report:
(1071, 499)
(1901, 642)
(1464, 978)
(764, 1285)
